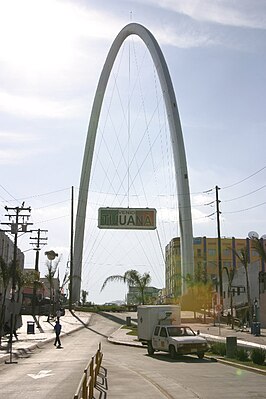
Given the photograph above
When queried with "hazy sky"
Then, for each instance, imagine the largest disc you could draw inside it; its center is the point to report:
(51, 55)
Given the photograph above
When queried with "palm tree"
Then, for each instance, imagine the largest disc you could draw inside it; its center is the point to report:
(230, 277)
(258, 244)
(84, 295)
(243, 256)
(133, 279)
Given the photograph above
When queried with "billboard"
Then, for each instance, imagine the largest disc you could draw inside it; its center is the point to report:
(127, 218)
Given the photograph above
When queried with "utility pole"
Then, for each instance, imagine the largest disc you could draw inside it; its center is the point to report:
(16, 227)
(37, 242)
(220, 271)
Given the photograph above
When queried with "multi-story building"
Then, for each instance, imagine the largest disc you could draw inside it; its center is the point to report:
(206, 260)
(206, 266)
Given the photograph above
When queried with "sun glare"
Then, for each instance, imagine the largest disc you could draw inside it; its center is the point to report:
(38, 35)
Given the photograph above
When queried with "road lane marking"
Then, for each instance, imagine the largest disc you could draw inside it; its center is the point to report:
(41, 374)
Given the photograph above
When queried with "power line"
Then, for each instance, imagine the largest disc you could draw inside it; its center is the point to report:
(8, 193)
(246, 178)
(247, 209)
(245, 195)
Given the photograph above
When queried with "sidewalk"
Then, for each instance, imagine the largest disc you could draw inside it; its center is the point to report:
(29, 341)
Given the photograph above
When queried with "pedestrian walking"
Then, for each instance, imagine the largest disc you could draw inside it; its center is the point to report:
(57, 329)
(228, 318)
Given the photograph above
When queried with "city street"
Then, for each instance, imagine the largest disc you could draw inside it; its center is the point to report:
(54, 373)
(131, 373)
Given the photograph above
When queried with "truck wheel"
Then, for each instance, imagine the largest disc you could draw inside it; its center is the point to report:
(150, 349)
(172, 352)
(201, 355)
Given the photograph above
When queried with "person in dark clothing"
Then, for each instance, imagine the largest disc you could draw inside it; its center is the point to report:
(57, 329)
(228, 318)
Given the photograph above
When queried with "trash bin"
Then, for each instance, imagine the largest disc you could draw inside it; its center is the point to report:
(30, 327)
(128, 321)
(231, 346)
(256, 328)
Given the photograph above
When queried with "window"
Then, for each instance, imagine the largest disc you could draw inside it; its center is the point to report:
(227, 252)
(212, 252)
(163, 332)
(156, 331)
(174, 331)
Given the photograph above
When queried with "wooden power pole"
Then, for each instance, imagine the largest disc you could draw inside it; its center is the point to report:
(220, 269)
(18, 222)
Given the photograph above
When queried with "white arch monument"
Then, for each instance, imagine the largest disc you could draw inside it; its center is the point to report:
(181, 174)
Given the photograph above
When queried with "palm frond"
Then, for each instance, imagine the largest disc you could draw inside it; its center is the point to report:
(112, 278)
(259, 248)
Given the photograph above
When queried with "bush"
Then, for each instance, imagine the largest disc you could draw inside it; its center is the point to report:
(242, 354)
(218, 348)
(258, 356)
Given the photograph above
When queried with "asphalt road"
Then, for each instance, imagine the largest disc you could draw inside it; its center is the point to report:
(132, 374)
(55, 373)
(52, 373)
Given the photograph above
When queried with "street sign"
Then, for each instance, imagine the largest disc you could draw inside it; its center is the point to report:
(127, 218)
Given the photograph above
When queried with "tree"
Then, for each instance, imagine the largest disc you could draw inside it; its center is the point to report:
(258, 244)
(230, 277)
(133, 279)
(243, 256)
(51, 270)
(84, 295)
(198, 296)
(26, 279)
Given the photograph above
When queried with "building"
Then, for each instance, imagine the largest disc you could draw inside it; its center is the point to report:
(206, 268)
(7, 254)
(7, 250)
(151, 295)
(205, 260)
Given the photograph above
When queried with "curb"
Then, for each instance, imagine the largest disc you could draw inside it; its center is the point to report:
(216, 359)
(241, 366)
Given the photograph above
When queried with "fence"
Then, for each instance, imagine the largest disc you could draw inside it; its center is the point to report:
(89, 379)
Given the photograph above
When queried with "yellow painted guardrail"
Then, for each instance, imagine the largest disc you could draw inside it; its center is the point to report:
(89, 379)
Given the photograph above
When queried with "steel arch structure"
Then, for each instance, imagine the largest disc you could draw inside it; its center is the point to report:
(181, 174)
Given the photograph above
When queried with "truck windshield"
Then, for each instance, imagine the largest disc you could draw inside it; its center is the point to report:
(179, 331)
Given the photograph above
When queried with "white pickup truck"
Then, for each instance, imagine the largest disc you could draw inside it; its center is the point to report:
(159, 327)
(177, 340)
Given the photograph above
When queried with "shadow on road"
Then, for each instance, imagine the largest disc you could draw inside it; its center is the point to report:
(86, 325)
(164, 357)
(120, 320)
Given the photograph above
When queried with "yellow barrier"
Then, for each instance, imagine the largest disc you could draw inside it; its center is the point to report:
(89, 378)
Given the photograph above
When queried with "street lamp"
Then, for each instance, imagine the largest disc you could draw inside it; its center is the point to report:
(51, 255)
